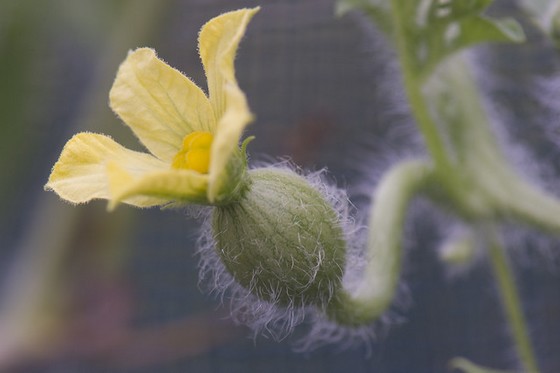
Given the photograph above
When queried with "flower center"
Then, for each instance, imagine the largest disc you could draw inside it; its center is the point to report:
(195, 153)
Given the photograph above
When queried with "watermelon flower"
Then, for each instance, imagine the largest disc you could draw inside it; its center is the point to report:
(272, 236)
(193, 138)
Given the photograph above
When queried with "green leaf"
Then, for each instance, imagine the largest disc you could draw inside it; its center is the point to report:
(434, 29)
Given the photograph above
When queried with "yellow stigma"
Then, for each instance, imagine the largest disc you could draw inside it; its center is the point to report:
(195, 153)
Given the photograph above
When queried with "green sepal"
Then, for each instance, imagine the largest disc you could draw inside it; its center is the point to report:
(244, 145)
(235, 174)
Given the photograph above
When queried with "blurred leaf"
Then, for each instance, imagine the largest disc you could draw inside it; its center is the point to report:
(31, 34)
(35, 288)
(435, 29)
(90, 23)
(17, 53)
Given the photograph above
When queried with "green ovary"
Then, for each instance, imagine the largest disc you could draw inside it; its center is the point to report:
(282, 240)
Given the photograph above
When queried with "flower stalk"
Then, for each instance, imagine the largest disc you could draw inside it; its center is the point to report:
(377, 288)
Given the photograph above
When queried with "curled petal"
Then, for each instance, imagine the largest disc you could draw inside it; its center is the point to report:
(226, 140)
(217, 43)
(171, 185)
(158, 103)
(80, 174)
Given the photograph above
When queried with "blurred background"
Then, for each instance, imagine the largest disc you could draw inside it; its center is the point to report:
(89, 291)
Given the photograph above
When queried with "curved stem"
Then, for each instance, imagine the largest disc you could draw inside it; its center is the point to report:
(511, 303)
(377, 287)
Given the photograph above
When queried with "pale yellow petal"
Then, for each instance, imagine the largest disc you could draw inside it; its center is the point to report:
(80, 174)
(226, 139)
(217, 44)
(172, 185)
(158, 103)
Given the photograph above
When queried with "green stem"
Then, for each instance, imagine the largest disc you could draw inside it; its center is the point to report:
(428, 128)
(377, 287)
(412, 81)
(512, 304)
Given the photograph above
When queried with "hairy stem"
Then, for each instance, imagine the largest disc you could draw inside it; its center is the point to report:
(377, 288)
(425, 124)
(511, 303)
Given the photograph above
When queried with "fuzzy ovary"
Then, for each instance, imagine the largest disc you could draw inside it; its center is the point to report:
(282, 240)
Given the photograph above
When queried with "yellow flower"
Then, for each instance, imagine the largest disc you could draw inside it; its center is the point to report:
(193, 138)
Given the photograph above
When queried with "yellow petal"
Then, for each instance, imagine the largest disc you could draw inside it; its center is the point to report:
(177, 185)
(158, 103)
(217, 44)
(226, 139)
(80, 174)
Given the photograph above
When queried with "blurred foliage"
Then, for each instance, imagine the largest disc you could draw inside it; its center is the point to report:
(32, 34)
